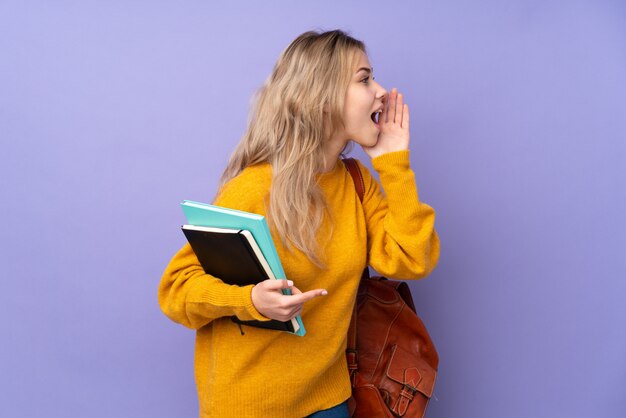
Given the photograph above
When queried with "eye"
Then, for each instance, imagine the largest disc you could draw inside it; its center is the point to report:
(367, 78)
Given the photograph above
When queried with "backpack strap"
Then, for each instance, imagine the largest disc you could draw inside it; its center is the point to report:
(351, 351)
(357, 177)
(359, 184)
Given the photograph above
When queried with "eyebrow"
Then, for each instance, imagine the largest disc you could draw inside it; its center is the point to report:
(366, 69)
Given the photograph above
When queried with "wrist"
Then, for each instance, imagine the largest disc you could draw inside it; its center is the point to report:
(377, 152)
(254, 305)
(397, 160)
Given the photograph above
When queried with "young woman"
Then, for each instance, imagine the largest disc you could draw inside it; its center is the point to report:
(320, 97)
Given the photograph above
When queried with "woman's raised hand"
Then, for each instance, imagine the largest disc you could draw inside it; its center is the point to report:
(269, 300)
(394, 127)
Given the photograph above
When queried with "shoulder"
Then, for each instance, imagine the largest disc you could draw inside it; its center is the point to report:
(369, 180)
(363, 171)
(372, 195)
(248, 190)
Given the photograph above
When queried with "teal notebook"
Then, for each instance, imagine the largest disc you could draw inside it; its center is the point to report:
(203, 214)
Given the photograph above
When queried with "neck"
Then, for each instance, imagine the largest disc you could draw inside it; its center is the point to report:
(332, 150)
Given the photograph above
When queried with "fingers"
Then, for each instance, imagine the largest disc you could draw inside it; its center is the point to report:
(405, 117)
(272, 284)
(391, 112)
(300, 298)
(291, 306)
(270, 301)
(295, 291)
(395, 109)
(399, 108)
(385, 114)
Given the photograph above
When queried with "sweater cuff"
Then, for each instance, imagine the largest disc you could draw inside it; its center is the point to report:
(392, 160)
(228, 299)
(250, 308)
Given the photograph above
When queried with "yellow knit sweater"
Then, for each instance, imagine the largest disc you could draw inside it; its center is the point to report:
(266, 373)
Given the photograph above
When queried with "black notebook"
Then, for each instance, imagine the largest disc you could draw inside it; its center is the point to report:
(233, 256)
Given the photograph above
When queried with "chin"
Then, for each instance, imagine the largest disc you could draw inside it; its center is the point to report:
(373, 142)
(366, 142)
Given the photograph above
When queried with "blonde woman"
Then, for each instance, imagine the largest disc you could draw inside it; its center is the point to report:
(320, 97)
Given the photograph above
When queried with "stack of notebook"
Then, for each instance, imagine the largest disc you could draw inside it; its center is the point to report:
(237, 248)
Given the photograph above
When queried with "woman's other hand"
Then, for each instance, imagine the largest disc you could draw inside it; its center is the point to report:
(268, 299)
(394, 127)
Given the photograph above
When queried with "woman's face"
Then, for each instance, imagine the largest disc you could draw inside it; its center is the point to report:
(364, 97)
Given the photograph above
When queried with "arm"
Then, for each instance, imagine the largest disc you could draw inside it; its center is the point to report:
(189, 296)
(401, 239)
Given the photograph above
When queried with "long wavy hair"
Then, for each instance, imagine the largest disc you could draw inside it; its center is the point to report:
(295, 112)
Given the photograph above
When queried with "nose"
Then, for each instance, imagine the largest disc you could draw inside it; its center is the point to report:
(382, 94)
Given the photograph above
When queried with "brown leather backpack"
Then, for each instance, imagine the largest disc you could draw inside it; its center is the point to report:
(392, 360)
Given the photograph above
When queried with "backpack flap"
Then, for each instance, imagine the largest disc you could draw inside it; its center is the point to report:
(415, 377)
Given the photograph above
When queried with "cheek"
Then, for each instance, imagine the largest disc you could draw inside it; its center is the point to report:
(350, 117)
(357, 111)
(355, 124)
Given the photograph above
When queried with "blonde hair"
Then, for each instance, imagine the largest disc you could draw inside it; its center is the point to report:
(299, 107)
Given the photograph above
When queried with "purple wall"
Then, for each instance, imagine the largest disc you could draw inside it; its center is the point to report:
(111, 113)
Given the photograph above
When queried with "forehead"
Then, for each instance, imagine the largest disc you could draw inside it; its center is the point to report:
(362, 61)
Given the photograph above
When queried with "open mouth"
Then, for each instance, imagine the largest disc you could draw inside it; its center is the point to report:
(376, 117)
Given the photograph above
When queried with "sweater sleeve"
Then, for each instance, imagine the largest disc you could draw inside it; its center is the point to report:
(401, 239)
(189, 296)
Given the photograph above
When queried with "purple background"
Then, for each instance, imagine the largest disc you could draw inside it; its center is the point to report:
(111, 113)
